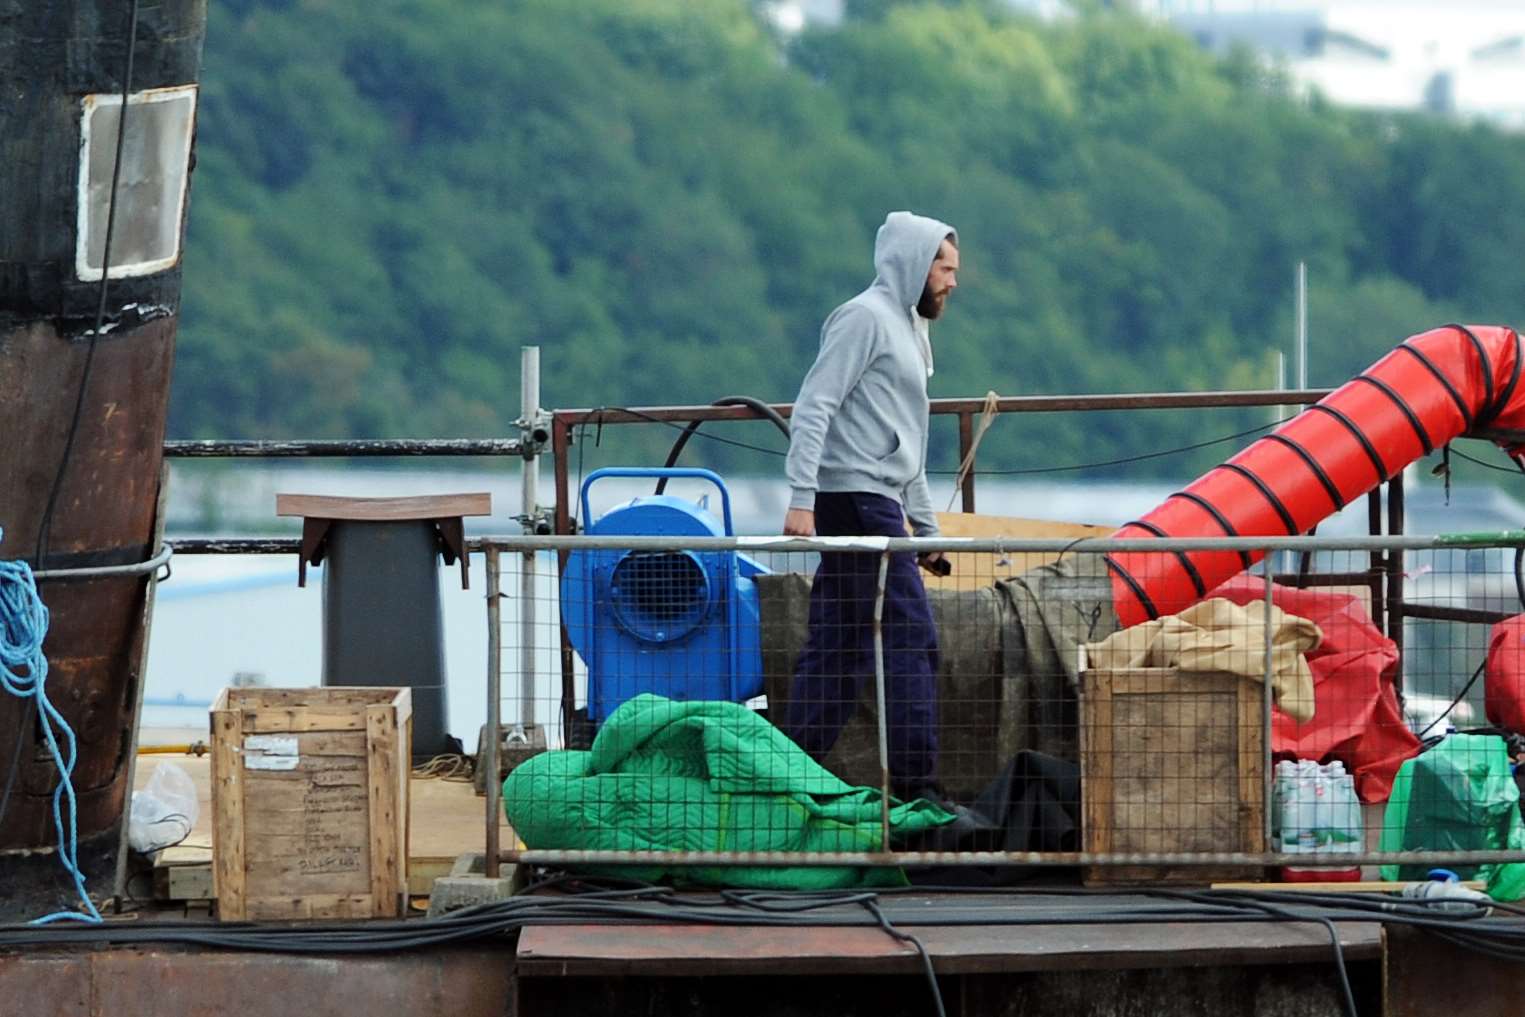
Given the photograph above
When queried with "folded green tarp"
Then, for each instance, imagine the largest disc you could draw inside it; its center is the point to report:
(665, 775)
(1458, 796)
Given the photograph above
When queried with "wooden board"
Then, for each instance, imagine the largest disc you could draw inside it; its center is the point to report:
(1337, 886)
(1171, 762)
(429, 506)
(972, 571)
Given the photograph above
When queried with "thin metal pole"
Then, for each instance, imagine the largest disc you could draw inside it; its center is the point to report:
(529, 399)
(965, 443)
(1377, 559)
(518, 543)
(489, 760)
(341, 448)
(561, 444)
(1302, 324)
(559, 857)
(1281, 385)
(1268, 806)
(884, 728)
(1395, 524)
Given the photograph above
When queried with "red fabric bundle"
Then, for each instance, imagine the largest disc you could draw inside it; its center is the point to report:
(1356, 716)
(1504, 675)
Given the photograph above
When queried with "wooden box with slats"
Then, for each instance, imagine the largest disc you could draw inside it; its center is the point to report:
(310, 802)
(1171, 762)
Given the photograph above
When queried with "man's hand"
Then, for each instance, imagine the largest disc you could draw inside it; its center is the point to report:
(935, 562)
(799, 522)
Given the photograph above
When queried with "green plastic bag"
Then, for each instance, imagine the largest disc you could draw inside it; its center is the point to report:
(1458, 796)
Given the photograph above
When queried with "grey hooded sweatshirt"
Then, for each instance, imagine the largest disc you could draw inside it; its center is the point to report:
(860, 420)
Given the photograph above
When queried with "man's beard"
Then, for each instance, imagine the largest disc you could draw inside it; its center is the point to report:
(930, 305)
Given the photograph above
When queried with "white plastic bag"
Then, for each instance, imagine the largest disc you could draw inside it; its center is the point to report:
(164, 811)
(1316, 809)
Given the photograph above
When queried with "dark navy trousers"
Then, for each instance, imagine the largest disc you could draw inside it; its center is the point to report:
(837, 662)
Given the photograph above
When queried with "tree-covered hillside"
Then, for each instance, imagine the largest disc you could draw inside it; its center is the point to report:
(391, 198)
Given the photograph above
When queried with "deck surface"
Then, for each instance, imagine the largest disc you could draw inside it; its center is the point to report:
(963, 933)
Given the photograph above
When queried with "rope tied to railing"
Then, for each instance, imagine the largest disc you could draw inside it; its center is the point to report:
(24, 674)
(988, 413)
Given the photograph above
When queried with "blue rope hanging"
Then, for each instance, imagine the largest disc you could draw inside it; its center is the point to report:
(24, 673)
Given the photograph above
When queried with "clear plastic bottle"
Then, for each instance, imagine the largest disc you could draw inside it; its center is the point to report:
(1445, 892)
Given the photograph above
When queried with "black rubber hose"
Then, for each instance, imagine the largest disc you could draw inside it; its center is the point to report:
(1519, 574)
(759, 407)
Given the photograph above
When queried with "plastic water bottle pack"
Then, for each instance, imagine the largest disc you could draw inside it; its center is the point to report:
(1316, 809)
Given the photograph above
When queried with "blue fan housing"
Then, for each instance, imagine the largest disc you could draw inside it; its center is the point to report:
(682, 624)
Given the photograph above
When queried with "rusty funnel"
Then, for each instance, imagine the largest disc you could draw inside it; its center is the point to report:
(85, 369)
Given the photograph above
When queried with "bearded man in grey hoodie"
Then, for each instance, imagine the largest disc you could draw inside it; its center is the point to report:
(857, 467)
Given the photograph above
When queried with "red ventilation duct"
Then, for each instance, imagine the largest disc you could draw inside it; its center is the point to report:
(1430, 389)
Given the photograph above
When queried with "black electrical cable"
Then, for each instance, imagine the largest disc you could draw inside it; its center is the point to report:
(1123, 461)
(653, 905)
(756, 405)
(1144, 457)
(1459, 697)
(45, 527)
(921, 950)
(681, 427)
(798, 903)
(100, 310)
(1334, 939)
(1487, 466)
(1519, 574)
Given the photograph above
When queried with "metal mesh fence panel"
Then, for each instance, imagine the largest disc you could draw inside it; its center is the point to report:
(836, 710)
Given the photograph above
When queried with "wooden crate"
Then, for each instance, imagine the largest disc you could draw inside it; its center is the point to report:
(310, 802)
(1171, 762)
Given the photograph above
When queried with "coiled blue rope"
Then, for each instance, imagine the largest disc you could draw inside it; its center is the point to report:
(24, 673)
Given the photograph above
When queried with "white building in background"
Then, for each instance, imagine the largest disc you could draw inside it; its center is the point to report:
(1465, 58)
(793, 15)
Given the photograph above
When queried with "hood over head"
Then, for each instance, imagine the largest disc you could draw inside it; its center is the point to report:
(903, 253)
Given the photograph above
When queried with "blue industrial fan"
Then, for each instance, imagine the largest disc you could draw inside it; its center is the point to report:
(682, 624)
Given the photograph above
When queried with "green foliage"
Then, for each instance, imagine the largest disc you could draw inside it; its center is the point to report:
(392, 198)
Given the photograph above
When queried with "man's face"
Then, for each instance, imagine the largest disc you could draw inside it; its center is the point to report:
(941, 281)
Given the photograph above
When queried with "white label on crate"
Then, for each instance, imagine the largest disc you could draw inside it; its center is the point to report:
(271, 752)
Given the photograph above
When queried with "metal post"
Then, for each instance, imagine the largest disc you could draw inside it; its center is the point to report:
(1302, 325)
(1395, 525)
(529, 401)
(1377, 559)
(489, 760)
(1281, 385)
(1268, 808)
(965, 443)
(561, 444)
(884, 729)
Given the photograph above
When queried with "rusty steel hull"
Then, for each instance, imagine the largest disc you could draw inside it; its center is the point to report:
(84, 375)
(104, 515)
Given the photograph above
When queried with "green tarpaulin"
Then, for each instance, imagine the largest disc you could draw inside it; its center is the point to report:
(1458, 796)
(665, 775)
